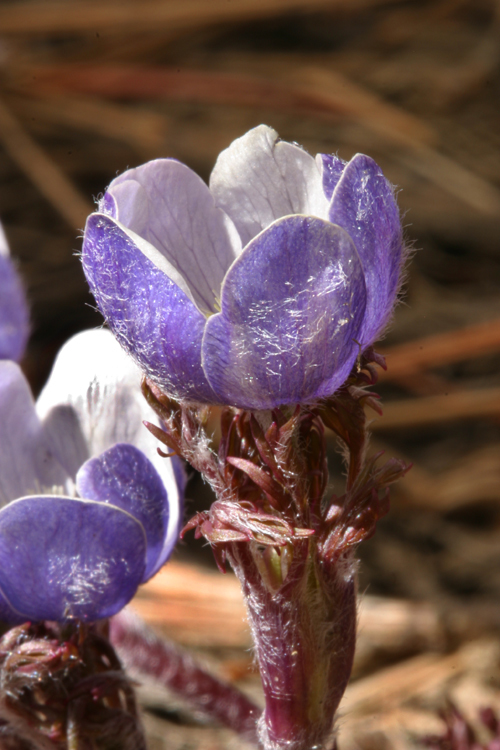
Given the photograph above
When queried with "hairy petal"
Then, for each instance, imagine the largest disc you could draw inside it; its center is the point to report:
(151, 316)
(292, 305)
(168, 205)
(363, 204)
(331, 168)
(259, 179)
(63, 558)
(27, 465)
(124, 477)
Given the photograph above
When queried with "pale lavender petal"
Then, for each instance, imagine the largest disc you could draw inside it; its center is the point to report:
(259, 179)
(62, 558)
(96, 384)
(14, 315)
(151, 316)
(124, 477)
(100, 383)
(27, 465)
(4, 245)
(363, 204)
(65, 438)
(331, 167)
(167, 204)
(292, 306)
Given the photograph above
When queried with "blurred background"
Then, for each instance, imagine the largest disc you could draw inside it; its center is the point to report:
(89, 88)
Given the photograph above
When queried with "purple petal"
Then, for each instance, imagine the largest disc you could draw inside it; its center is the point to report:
(363, 204)
(9, 615)
(124, 477)
(292, 305)
(63, 558)
(14, 316)
(331, 167)
(107, 205)
(259, 179)
(27, 464)
(167, 204)
(151, 316)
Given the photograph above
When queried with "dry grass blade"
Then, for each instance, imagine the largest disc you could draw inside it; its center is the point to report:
(431, 410)
(42, 171)
(142, 129)
(174, 84)
(359, 103)
(449, 175)
(196, 606)
(55, 18)
(393, 686)
(442, 349)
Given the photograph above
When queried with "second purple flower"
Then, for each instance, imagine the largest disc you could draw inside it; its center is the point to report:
(257, 291)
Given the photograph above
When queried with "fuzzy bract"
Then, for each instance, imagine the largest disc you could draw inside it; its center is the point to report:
(14, 315)
(86, 515)
(258, 290)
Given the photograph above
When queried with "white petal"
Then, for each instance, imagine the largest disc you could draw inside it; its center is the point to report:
(4, 245)
(259, 179)
(27, 465)
(95, 379)
(167, 204)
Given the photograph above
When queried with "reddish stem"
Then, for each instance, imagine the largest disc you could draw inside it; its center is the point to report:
(305, 633)
(141, 650)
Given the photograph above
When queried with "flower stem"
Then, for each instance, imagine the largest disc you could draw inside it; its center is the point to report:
(141, 650)
(305, 634)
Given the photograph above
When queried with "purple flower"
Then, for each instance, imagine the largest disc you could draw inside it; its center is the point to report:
(86, 516)
(257, 291)
(14, 315)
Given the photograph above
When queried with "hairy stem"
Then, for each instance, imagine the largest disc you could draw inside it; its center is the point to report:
(141, 650)
(305, 633)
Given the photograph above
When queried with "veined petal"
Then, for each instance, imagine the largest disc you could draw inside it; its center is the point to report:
(167, 204)
(27, 465)
(65, 438)
(124, 477)
(331, 168)
(292, 306)
(95, 385)
(99, 384)
(63, 558)
(259, 179)
(363, 204)
(152, 317)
